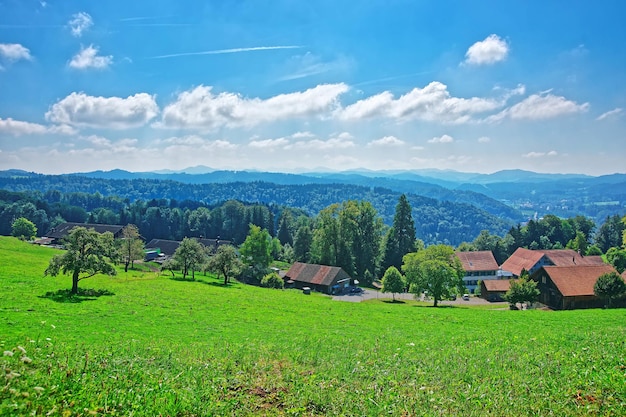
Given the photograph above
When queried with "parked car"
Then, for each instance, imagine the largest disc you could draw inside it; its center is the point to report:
(465, 297)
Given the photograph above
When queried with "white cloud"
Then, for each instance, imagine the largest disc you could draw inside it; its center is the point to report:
(610, 114)
(79, 23)
(484, 139)
(540, 154)
(538, 107)
(201, 109)
(12, 52)
(269, 143)
(19, 128)
(431, 103)
(79, 109)
(340, 141)
(88, 58)
(441, 139)
(229, 51)
(489, 51)
(386, 141)
(307, 65)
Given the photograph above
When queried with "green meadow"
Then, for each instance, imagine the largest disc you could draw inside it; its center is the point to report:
(143, 344)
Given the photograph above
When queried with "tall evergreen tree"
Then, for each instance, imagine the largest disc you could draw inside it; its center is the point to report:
(302, 244)
(400, 238)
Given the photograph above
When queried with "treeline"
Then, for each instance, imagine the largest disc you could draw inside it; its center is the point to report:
(438, 221)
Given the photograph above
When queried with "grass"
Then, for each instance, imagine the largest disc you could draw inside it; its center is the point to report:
(143, 344)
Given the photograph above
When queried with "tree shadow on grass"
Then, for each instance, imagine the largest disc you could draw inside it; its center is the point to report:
(394, 301)
(439, 306)
(66, 296)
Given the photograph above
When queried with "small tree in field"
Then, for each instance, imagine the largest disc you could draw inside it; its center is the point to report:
(272, 280)
(523, 290)
(393, 282)
(23, 228)
(609, 286)
(189, 255)
(130, 246)
(85, 256)
(225, 262)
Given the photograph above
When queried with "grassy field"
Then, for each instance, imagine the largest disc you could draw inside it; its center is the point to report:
(147, 345)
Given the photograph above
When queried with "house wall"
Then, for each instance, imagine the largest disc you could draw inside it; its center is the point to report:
(471, 278)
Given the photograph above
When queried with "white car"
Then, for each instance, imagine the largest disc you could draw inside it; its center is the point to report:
(465, 297)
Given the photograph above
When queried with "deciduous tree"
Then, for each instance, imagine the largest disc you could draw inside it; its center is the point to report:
(130, 246)
(609, 286)
(435, 270)
(256, 250)
(85, 256)
(189, 254)
(522, 290)
(23, 228)
(393, 282)
(226, 262)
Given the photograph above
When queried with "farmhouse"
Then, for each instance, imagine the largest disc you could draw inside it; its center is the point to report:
(479, 266)
(322, 278)
(533, 260)
(57, 234)
(570, 287)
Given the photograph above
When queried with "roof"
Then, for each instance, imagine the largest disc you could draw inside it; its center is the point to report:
(577, 280)
(478, 261)
(497, 285)
(522, 258)
(168, 247)
(64, 229)
(526, 259)
(316, 274)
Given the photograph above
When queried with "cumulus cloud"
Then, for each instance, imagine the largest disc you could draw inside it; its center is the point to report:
(441, 139)
(269, 143)
(484, 139)
(79, 109)
(343, 140)
(79, 23)
(540, 106)
(19, 128)
(201, 109)
(489, 51)
(386, 141)
(610, 114)
(540, 154)
(431, 103)
(12, 52)
(88, 58)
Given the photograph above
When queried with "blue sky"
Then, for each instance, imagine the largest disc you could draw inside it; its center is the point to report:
(290, 86)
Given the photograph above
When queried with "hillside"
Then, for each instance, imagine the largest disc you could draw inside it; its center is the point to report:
(157, 346)
(436, 221)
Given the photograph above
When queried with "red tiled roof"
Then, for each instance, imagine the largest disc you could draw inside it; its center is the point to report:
(522, 258)
(577, 280)
(315, 274)
(478, 261)
(498, 285)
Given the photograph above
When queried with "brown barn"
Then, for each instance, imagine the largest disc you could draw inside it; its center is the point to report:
(322, 278)
(494, 289)
(570, 287)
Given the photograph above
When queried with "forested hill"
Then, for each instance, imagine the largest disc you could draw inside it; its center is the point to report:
(436, 221)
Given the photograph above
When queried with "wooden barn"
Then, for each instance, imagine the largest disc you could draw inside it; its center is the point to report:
(570, 287)
(494, 289)
(321, 278)
(57, 234)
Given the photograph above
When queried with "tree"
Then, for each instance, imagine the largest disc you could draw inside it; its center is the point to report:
(302, 244)
(23, 228)
(435, 270)
(284, 233)
(85, 256)
(256, 250)
(272, 280)
(393, 282)
(189, 254)
(522, 290)
(617, 258)
(130, 246)
(400, 238)
(609, 286)
(226, 262)
(610, 233)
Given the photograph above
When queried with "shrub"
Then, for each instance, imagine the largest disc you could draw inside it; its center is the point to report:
(272, 280)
